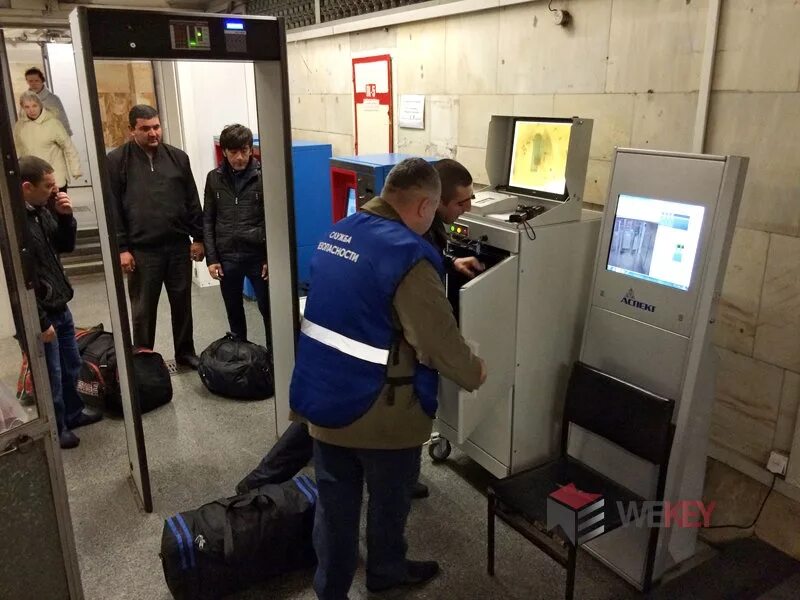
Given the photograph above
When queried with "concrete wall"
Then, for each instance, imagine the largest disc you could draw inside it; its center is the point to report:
(634, 67)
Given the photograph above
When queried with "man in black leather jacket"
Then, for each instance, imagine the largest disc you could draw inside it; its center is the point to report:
(234, 230)
(157, 213)
(47, 235)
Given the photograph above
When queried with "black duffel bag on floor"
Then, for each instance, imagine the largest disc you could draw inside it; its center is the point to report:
(237, 368)
(98, 384)
(230, 544)
(98, 381)
(152, 379)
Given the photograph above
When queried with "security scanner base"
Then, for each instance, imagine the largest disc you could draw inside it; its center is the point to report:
(524, 314)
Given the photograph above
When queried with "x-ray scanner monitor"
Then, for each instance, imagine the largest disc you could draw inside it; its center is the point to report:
(661, 259)
(538, 163)
(539, 157)
(524, 314)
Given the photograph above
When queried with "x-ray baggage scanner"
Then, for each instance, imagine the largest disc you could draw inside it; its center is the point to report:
(661, 260)
(525, 313)
(109, 34)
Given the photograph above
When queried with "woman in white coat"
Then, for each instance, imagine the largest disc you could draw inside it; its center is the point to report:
(39, 133)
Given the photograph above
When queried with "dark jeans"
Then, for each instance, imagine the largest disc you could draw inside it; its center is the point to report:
(341, 473)
(171, 267)
(232, 287)
(291, 452)
(63, 366)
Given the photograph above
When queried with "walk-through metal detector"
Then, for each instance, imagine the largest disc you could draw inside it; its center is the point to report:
(35, 519)
(109, 34)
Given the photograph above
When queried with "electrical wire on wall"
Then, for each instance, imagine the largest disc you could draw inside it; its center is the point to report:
(758, 514)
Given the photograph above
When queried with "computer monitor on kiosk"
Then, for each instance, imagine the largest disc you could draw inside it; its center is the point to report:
(655, 240)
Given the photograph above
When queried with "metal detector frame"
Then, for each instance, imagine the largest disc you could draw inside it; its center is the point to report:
(108, 34)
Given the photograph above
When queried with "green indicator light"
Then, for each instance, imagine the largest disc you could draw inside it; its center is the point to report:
(452, 227)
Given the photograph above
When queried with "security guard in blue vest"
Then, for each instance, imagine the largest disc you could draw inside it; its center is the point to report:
(376, 332)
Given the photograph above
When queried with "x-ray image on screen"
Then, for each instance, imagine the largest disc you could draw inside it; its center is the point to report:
(655, 240)
(539, 156)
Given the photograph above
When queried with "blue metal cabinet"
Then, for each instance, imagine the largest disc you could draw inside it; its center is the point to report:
(312, 204)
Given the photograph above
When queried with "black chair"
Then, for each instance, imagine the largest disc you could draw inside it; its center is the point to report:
(628, 416)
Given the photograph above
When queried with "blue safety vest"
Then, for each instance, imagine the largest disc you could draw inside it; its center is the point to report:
(348, 336)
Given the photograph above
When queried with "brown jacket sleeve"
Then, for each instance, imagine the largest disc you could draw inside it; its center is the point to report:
(429, 326)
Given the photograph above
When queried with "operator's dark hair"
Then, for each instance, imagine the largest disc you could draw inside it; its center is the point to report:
(452, 175)
(410, 174)
(32, 169)
(36, 71)
(141, 111)
(235, 136)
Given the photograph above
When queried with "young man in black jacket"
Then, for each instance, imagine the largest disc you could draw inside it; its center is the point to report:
(457, 197)
(157, 212)
(234, 230)
(46, 236)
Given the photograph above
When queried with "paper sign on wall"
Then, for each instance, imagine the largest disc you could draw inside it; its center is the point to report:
(412, 111)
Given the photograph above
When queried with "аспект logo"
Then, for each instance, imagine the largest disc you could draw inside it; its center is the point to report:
(630, 300)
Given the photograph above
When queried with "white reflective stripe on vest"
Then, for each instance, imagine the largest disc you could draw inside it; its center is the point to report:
(344, 344)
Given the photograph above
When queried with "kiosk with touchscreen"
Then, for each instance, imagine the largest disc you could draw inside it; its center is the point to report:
(655, 240)
(663, 253)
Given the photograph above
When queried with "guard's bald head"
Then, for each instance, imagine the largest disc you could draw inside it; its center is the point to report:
(412, 175)
(413, 189)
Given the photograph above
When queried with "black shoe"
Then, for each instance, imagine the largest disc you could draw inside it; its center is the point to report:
(419, 490)
(87, 417)
(188, 360)
(417, 572)
(68, 440)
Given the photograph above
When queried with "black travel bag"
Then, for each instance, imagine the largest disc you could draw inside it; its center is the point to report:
(236, 368)
(98, 384)
(152, 379)
(230, 544)
(98, 381)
